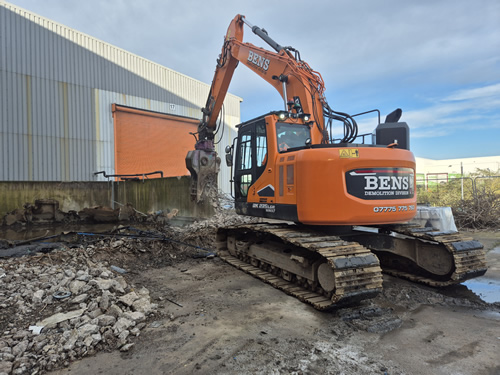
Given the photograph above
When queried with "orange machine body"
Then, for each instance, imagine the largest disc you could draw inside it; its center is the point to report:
(350, 184)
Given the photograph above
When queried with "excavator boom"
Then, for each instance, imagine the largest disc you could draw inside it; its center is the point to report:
(300, 87)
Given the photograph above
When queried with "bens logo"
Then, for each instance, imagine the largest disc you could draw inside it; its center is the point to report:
(258, 60)
(387, 182)
(381, 183)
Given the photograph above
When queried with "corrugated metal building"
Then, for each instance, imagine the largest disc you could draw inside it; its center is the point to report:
(57, 88)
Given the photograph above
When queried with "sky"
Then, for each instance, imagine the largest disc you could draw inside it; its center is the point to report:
(439, 61)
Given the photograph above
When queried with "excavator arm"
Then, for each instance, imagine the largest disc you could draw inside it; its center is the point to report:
(288, 74)
(301, 88)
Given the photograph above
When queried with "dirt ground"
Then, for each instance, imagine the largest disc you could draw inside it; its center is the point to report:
(215, 319)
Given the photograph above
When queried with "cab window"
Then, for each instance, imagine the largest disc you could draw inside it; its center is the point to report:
(291, 135)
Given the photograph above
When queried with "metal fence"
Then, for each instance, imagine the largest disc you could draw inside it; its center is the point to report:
(435, 181)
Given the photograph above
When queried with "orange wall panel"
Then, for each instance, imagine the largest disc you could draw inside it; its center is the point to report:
(149, 141)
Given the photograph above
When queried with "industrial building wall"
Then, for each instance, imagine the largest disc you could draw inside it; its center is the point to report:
(57, 87)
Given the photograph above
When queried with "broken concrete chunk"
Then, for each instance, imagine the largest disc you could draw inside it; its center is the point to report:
(143, 292)
(6, 366)
(20, 348)
(126, 347)
(38, 296)
(95, 313)
(135, 316)
(128, 299)
(102, 284)
(96, 338)
(82, 276)
(107, 284)
(80, 298)
(121, 281)
(114, 310)
(71, 340)
(143, 305)
(51, 321)
(88, 341)
(123, 336)
(76, 286)
(104, 302)
(106, 320)
(87, 330)
(121, 325)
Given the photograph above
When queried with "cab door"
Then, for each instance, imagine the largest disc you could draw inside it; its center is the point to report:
(251, 157)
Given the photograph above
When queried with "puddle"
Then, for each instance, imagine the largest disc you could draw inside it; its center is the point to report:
(487, 289)
(495, 251)
(492, 315)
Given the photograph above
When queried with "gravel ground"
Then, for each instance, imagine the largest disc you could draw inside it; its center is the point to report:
(175, 311)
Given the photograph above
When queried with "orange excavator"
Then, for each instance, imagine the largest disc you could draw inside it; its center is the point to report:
(339, 209)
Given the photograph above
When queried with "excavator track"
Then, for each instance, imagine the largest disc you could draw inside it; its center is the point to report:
(460, 257)
(469, 257)
(321, 270)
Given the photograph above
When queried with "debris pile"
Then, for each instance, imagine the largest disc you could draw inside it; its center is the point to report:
(203, 232)
(77, 297)
(57, 307)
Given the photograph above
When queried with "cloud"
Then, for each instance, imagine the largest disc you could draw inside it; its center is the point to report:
(457, 113)
(461, 111)
(480, 92)
(348, 42)
(438, 58)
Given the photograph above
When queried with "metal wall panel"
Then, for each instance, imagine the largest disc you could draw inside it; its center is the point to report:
(59, 49)
(56, 90)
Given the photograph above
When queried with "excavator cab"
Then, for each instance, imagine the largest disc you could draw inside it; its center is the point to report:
(259, 142)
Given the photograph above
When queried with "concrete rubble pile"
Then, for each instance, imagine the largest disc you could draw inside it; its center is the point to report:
(57, 307)
(203, 232)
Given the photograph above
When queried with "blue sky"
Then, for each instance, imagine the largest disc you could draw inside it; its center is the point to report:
(437, 60)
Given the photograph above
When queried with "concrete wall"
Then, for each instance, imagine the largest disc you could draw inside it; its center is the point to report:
(146, 196)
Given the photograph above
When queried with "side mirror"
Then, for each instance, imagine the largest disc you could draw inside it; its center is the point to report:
(229, 156)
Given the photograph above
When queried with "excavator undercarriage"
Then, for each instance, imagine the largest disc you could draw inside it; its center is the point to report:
(327, 270)
(425, 255)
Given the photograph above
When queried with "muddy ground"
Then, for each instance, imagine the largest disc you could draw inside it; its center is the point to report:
(215, 319)
(231, 323)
